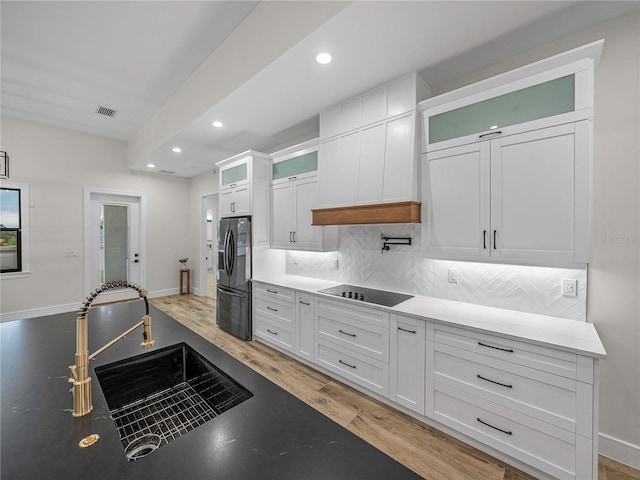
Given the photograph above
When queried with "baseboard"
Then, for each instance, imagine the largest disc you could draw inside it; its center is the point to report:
(163, 293)
(68, 307)
(619, 450)
(39, 312)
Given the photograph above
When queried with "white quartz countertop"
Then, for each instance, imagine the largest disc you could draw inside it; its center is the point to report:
(568, 335)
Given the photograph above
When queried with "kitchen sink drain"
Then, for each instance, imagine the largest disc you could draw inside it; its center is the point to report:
(143, 446)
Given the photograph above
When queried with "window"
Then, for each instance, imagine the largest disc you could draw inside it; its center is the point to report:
(14, 221)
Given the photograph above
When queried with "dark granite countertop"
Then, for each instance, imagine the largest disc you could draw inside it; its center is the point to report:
(272, 435)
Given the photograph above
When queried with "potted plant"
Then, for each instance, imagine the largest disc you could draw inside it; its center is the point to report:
(184, 261)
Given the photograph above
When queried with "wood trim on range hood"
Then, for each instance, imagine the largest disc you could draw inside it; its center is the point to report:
(381, 213)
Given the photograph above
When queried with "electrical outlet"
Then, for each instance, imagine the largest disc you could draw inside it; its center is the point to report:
(453, 275)
(569, 287)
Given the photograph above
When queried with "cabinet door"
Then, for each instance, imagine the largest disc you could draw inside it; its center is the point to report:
(338, 167)
(226, 200)
(399, 159)
(371, 164)
(408, 362)
(306, 199)
(241, 201)
(281, 212)
(532, 194)
(456, 199)
(305, 326)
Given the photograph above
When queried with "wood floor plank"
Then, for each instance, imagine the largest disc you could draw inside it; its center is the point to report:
(422, 448)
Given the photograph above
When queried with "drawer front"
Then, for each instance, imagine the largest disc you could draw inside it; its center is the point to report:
(275, 309)
(273, 331)
(363, 338)
(544, 396)
(353, 313)
(273, 291)
(533, 356)
(536, 443)
(362, 370)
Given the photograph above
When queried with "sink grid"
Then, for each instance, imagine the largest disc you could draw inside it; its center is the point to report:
(169, 414)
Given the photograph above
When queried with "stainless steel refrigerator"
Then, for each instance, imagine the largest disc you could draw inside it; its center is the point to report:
(233, 309)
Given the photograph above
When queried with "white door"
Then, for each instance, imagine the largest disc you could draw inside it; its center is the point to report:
(113, 244)
(532, 194)
(306, 199)
(399, 159)
(458, 201)
(281, 208)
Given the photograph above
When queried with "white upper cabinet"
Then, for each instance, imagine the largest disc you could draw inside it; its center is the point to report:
(368, 147)
(244, 191)
(507, 171)
(294, 193)
(508, 198)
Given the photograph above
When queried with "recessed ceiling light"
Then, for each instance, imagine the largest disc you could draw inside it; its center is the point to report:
(151, 165)
(323, 58)
(492, 127)
(217, 124)
(176, 150)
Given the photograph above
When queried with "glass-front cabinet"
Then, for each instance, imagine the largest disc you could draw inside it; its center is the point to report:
(506, 165)
(294, 193)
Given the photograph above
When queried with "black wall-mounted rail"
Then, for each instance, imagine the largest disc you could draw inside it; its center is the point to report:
(388, 241)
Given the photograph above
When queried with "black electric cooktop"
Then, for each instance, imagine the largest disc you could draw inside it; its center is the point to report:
(367, 295)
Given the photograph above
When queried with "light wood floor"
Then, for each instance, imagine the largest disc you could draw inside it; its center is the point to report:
(423, 449)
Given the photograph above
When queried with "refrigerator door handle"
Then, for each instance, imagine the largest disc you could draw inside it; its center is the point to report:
(232, 251)
(227, 253)
(229, 291)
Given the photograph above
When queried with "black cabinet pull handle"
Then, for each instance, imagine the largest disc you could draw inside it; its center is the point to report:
(347, 364)
(272, 291)
(484, 239)
(347, 333)
(494, 239)
(290, 237)
(272, 309)
(294, 237)
(493, 381)
(509, 350)
(508, 432)
(405, 330)
(497, 132)
(271, 332)
(292, 178)
(305, 303)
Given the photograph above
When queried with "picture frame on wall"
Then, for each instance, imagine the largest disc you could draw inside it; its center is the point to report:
(4, 165)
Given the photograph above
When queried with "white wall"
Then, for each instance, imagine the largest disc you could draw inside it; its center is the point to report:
(57, 164)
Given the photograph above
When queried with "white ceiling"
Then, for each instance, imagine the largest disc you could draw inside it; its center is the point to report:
(60, 60)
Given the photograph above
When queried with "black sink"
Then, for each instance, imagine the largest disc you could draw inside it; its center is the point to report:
(156, 397)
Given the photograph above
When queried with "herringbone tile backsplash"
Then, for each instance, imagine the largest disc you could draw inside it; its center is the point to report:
(403, 269)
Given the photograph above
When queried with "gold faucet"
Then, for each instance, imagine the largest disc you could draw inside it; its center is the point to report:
(80, 378)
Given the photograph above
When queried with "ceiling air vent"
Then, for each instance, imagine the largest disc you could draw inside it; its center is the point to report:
(168, 172)
(108, 112)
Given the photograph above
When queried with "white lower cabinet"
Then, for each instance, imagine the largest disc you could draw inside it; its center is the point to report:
(274, 316)
(408, 361)
(305, 326)
(534, 405)
(353, 342)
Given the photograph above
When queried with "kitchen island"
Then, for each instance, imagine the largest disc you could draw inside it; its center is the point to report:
(272, 435)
